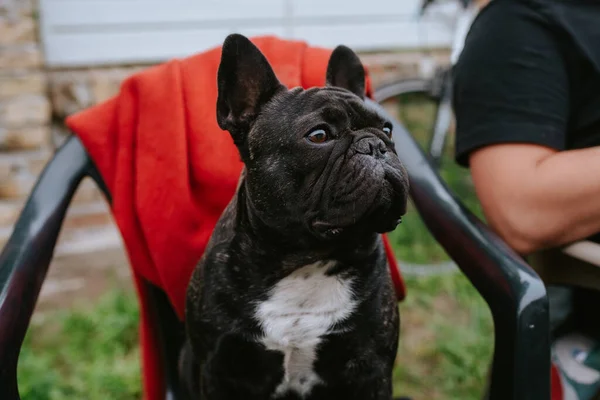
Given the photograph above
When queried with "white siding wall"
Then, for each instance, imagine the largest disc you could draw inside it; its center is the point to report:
(96, 32)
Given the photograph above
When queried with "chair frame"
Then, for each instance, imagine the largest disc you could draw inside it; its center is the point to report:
(25, 259)
(514, 293)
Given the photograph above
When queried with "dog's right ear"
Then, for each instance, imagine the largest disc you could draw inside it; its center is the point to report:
(245, 82)
(346, 71)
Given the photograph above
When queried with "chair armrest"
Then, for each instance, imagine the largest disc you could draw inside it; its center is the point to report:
(25, 258)
(513, 291)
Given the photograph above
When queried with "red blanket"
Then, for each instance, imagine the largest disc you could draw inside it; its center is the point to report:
(171, 170)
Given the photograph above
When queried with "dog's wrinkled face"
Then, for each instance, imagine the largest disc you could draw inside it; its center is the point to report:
(317, 159)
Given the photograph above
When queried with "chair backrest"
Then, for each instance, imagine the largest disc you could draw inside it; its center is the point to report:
(25, 259)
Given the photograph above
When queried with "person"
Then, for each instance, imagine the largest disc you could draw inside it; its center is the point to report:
(526, 99)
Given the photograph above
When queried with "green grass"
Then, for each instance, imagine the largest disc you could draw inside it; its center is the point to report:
(445, 341)
(446, 332)
(91, 352)
(88, 353)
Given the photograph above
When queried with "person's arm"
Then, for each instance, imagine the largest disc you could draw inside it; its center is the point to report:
(535, 197)
(512, 107)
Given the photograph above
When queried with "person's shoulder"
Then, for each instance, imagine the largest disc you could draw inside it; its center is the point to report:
(507, 32)
(508, 20)
(522, 8)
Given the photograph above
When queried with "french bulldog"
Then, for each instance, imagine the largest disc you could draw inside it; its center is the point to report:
(292, 298)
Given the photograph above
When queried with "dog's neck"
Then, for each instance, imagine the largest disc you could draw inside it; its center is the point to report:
(293, 243)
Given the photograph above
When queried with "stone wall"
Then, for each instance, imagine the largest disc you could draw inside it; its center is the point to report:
(26, 133)
(24, 108)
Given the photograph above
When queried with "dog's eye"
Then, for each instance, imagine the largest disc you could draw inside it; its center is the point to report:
(317, 136)
(388, 130)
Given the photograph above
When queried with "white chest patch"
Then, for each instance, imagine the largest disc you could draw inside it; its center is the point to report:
(301, 308)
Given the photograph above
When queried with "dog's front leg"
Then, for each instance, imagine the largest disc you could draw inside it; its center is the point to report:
(376, 389)
(240, 369)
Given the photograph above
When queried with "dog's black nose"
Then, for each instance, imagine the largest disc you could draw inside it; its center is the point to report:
(372, 146)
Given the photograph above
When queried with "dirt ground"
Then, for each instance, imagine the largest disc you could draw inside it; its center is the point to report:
(76, 279)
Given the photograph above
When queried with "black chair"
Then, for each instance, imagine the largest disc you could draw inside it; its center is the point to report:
(513, 291)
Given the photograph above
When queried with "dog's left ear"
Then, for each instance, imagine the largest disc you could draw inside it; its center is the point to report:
(346, 71)
(245, 83)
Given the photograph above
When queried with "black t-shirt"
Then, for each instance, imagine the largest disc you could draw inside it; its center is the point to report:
(530, 73)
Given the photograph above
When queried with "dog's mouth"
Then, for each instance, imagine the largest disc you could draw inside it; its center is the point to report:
(326, 230)
(378, 208)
